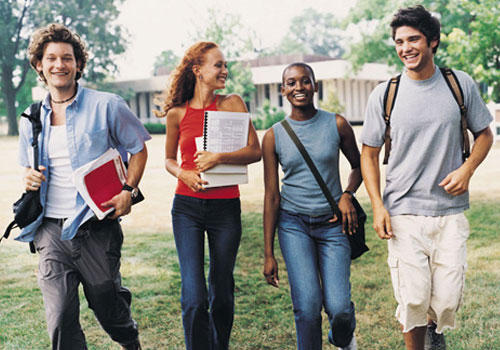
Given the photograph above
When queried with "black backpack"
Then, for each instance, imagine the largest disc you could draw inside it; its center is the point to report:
(390, 96)
(27, 208)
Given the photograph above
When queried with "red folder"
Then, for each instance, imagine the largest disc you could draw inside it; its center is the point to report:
(104, 182)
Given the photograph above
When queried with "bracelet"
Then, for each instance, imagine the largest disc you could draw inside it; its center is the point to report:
(352, 193)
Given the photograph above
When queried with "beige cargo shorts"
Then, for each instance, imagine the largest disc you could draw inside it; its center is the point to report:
(427, 260)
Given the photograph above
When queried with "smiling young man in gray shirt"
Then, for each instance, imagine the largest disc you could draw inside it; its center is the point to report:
(422, 210)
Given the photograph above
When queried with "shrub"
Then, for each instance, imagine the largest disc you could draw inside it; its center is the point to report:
(267, 116)
(155, 128)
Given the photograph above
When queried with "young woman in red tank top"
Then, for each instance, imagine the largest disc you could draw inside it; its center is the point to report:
(207, 314)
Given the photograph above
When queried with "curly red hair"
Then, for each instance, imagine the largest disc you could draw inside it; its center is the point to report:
(182, 80)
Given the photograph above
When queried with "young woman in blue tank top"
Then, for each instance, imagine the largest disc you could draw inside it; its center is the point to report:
(313, 241)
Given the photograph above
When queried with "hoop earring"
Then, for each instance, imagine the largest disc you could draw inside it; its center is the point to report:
(200, 77)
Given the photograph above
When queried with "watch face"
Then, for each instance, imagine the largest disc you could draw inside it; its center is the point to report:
(134, 193)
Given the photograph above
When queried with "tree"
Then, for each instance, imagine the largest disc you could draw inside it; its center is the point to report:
(312, 32)
(470, 38)
(267, 116)
(235, 42)
(91, 19)
(332, 103)
(475, 49)
(167, 60)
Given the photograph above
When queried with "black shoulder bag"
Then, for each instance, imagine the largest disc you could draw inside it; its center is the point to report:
(28, 207)
(357, 239)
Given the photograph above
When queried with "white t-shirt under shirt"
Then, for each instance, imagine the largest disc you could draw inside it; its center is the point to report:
(61, 193)
(426, 142)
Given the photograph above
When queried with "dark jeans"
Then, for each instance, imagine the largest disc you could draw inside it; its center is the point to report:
(221, 220)
(91, 258)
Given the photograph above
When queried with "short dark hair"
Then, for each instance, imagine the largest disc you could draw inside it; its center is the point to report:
(55, 32)
(298, 64)
(419, 18)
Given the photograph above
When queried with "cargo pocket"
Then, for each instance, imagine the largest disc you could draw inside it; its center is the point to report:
(395, 277)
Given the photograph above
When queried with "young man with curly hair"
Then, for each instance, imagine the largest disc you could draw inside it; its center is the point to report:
(78, 125)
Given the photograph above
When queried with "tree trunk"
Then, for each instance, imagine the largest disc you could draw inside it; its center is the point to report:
(9, 93)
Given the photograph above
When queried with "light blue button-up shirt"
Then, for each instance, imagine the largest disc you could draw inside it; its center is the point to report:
(95, 122)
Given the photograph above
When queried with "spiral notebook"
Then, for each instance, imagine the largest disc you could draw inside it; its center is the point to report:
(225, 132)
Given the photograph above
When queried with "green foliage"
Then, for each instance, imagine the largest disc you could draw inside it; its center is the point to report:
(235, 41)
(3, 110)
(23, 97)
(331, 103)
(475, 48)
(287, 46)
(167, 60)
(227, 30)
(93, 20)
(239, 80)
(155, 128)
(470, 38)
(312, 32)
(267, 116)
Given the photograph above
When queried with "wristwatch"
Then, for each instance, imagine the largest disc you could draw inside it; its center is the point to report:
(133, 191)
(351, 193)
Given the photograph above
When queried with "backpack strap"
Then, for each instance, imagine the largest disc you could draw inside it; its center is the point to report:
(389, 97)
(36, 125)
(9, 228)
(451, 80)
(458, 94)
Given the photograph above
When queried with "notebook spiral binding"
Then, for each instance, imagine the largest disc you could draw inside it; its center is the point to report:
(205, 131)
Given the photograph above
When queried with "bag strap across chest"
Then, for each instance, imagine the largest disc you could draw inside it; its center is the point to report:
(312, 167)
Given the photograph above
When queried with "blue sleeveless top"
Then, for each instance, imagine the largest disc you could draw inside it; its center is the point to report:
(300, 192)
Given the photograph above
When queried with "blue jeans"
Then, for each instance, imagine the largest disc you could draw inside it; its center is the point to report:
(220, 218)
(317, 257)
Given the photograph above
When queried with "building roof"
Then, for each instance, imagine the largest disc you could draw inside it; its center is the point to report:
(268, 70)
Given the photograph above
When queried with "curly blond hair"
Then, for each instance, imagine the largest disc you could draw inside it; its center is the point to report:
(182, 80)
(55, 32)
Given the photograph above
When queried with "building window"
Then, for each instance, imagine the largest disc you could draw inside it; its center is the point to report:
(280, 97)
(320, 90)
(156, 96)
(138, 105)
(267, 92)
(148, 105)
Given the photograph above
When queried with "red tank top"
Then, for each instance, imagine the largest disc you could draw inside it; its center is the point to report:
(190, 127)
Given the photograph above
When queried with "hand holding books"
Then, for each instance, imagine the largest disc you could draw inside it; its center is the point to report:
(205, 160)
(222, 132)
(100, 180)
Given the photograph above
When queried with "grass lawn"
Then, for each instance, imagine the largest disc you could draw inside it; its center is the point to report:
(264, 317)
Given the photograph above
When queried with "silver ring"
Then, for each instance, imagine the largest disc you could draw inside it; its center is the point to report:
(34, 184)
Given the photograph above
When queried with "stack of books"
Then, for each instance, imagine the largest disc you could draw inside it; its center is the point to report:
(224, 132)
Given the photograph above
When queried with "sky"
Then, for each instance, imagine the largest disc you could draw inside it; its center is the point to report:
(158, 25)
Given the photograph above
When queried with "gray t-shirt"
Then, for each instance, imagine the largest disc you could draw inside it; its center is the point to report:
(300, 192)
(426, 142)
